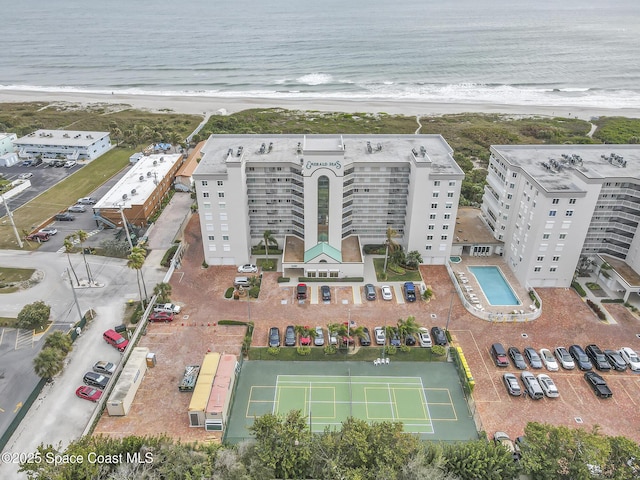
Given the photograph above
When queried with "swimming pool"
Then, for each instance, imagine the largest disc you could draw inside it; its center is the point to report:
(494, 286)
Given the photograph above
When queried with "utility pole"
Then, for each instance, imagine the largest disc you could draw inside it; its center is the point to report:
(126, 229)
(75, 297)
(10, 215)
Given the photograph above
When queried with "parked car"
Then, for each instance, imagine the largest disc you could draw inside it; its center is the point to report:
(580, 357)
(95, 379)
(24, 176)
(409, 291)
(517, 358)
(386, 292)
(87, 201)
(597, 357)
(380, 335)
(301, 291)
(532, 357)
(77, 209)
(394, 338)
(499, 355)
(36, 162)
(370, 291)
(305, 338)
(438, 336)
(70, 164)
(116, 340)
(501, 438)
(64, 217)
(167, 307)
(104, 367)
(531, 385)
(631, 358)
(319, 340)
(49, 230)
(512, 385)
(162, 317)
(89, 393)
(326, 293)
(365, 339)
(410, 340)
(548, 359)
(548, 387)
(38, 237)
(274, 337)
(27, 163)
(424, 338)
(615, 360)
(599, 386)
(333, 337)
(564, 359)
(290, 336)
(248, 268)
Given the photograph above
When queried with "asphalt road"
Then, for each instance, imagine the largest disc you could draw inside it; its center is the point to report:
(58, 416)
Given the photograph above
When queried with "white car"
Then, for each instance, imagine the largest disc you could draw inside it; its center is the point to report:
(386, 292)
(564, 358)
(548, 387)
(49, 230)
(333, 338)
(631, 358)
(424, 338)
(381, 338)
(548, 359)
(248, 268)
(70, 164)
(24, 176)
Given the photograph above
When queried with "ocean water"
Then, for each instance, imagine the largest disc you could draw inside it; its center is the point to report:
(543, 52)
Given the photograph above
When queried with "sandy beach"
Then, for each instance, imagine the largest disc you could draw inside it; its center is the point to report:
(204, 105)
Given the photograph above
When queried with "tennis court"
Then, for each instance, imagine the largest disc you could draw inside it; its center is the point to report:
(425, 397)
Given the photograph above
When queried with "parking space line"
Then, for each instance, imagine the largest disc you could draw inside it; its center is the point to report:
(575, 391)
(484, 363)
(625, 391)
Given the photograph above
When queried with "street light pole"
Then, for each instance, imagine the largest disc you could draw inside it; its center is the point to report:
(446, 327)
(126, 229)
(10, 215)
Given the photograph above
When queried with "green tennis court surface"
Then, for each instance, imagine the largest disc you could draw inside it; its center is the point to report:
(425, 397)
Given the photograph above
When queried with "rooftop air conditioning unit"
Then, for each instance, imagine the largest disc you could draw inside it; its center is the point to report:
(155, 162)
(133, 192)
(141, 178)
(125, 196)
(148, 174)
(161, 159)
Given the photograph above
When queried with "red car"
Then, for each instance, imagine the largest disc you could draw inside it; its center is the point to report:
(161, 317)
(89, 393)
(305, 340)
(39, 237)
(115, 339)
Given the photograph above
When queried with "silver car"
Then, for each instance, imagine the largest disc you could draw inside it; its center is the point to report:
(381, 338)
(564, 358)
(319, 340)
(77, 209)
(548, 359)
(548, 387)
(424, 338)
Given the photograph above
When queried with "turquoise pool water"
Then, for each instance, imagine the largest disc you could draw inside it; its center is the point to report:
(494, 286)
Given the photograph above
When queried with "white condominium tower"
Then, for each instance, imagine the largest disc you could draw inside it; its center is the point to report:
(323, 197)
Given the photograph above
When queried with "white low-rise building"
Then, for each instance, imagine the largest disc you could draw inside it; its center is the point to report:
(70, 144)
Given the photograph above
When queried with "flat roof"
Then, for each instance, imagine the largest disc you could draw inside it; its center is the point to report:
(222, 149)
(72, 138)
(221, 382)
(139, 182)
(471, 229)
(623, 269)
(555, 167)
(202, 390)
(129, 374)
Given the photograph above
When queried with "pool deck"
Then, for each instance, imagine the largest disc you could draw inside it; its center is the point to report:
(474, 295)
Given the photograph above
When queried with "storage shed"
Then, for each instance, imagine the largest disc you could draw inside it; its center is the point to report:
(202, 390)
(220, 398)
(124, 392)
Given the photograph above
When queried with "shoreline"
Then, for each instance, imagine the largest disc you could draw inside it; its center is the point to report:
(205, 105)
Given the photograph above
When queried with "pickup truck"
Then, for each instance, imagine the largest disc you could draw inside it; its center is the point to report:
(409, 291)
(188, 382)
(166, 307)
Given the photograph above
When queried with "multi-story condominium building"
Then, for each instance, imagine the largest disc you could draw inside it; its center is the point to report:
(324, 196)
(6, 142)
(72, 145)
(554, 206)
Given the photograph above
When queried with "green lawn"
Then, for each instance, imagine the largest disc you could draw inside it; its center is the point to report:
(9, 276)
(86, 179)
(408, 276)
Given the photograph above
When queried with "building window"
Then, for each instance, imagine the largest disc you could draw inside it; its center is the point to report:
(552, 213)
(220, 194)
(208, 216)
(311, 273)
(555, 201)
(334, 273)
(429, 237)
(434, 205)
(447, 216)
(445, 227)
(209, 227)
(443, 237)
(572, 201)
(514, 175)
(431, 226)
(323, 208)
(512, 185)
(563, 236)
(568, 213)
(448, 205)
(427, 247)
(205, 194)
(226, 247)
(436, 183)
(322, 273)
(206, 204)
(223, 216)
(509, 196)
(537, 269)
(211, 238)
(220, 183)
(556, 259)
(225, 238)
(222, 205)
(224, 227)
(204, 183)
(432, 216)
(436, 194)
(553, 269)
(546, 236)
(540, 258)
(452, 183)
(212, 248)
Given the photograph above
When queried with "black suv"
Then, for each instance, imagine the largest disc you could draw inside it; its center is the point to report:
(517, 358)
(582, 361)
(64, 217)
(274, 337)
(289, 337)
(94, 379)
(438, 336)
(326, 293)
(598, 358)
(301, 291)
(365, 339)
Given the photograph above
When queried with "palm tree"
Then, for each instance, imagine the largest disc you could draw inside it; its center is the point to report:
(59, 341)
(390, 244)
(135, 262)
(174, 138)
(68, 248)
(142, 253)
(268, 239)
(163, 291)
(408, 327)
(48, 363)
(81, 235)
(413, 259)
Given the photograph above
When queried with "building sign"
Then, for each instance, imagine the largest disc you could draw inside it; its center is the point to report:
(310, 164)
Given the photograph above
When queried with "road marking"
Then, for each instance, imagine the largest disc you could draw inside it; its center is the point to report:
(625, 391)
(574, 391)
(18, 407)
